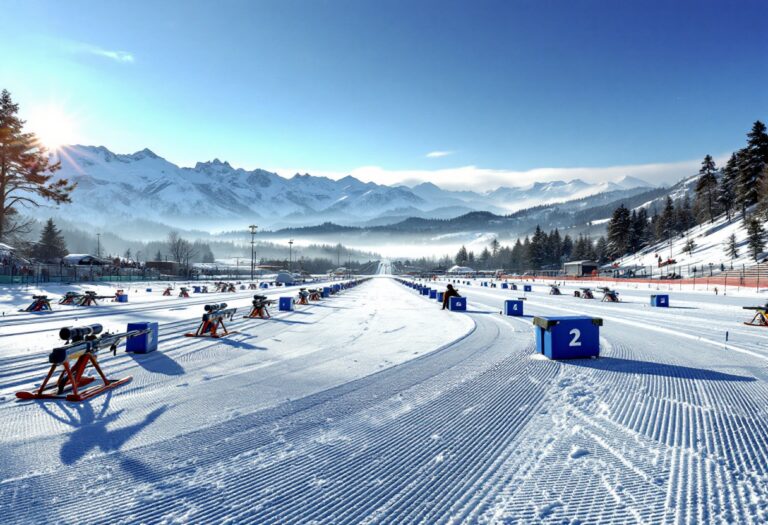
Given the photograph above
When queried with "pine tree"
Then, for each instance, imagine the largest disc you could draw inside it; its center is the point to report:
(127, 255)
(726, 190)
(51, 244)
(684, 214)
(494, 247)
(567, 248)
(755, 237)
(690, 245)
(619, 232)
(601, 250)
(158, 256)
(752, 161)
(536, 255)
(706, 187)
(666, 225)
(731, 248)
(25, 171)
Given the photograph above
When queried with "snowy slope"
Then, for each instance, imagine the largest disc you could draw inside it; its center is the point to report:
(710, 240)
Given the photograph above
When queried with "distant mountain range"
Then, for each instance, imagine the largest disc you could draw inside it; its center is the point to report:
(116, 188)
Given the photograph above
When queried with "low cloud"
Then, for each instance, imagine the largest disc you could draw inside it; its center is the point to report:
(438, 154)
(476, 178)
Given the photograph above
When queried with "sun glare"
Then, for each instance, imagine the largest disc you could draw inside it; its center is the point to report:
(53, 126)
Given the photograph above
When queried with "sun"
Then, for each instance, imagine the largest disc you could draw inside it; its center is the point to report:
(53, 126)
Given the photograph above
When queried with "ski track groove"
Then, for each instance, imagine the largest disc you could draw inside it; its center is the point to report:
(474, 432)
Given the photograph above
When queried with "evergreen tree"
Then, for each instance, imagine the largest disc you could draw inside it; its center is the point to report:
(755, 237)
(51, 244)
(536, 254)
(666, 224)
(731, 248)
(752, 161)
(706, 187)
(567, 248)
(471, 258)
(619, 232)
(26, 172)
(601, 250)
(127, 255)
(494, 247)
(462, 256)
(158, 256)
(485, 257)
(726, 190)
(685, 217)
(690, 245)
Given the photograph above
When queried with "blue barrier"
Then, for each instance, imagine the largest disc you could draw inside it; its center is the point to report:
(513, 307)
(122, 298)
(505, 286)
(145, 343)
(661, 301)
(439, 296)
(326, 291)
(196, 289)
(149, 290)
(527, 288)
(285, 304)
(568, 337)
(457, 304)
(425, 291)
(432, 294)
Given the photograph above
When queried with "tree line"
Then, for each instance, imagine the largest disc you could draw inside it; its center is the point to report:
(738, 188)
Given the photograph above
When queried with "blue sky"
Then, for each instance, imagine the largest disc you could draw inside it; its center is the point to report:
(498, 92)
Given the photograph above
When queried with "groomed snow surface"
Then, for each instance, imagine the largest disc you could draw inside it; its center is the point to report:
(374, 406)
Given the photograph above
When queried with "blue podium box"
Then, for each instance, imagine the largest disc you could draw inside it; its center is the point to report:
(122, 298)
(568, 337)
(195, 289)
(326, 291)
(285, 304)
(457, 304)
(513, 307)
(425, 291)
(433, 294)
(526, 288)
(142, 344)
(439, 296)
(505, 286)
(661, 301)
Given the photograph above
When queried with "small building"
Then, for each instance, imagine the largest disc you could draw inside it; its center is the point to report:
(288, 279)
(82, 259)
(164, 267)
(460, 270)
(580, 268)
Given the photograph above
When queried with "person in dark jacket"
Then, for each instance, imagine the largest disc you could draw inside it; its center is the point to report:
(449, 292)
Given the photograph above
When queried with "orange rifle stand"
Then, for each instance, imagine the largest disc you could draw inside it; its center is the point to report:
(72, 379)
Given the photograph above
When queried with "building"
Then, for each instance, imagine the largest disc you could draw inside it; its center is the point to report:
(82, 259)
(164, 267)
(460, 270)
(580, 268)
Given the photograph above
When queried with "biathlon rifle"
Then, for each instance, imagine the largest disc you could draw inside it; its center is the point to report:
(86, 339)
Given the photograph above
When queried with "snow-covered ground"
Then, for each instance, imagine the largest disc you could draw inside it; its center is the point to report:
(375, 406)
(710, 241)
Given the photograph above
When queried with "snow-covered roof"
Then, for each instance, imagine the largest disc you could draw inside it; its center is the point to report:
(460, 269)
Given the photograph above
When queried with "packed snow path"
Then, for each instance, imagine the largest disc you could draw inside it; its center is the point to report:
(668, 426)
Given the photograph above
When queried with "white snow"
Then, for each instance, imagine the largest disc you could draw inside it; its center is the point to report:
(376, 406)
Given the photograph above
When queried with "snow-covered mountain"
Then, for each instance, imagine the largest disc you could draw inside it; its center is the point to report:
(214, 195)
